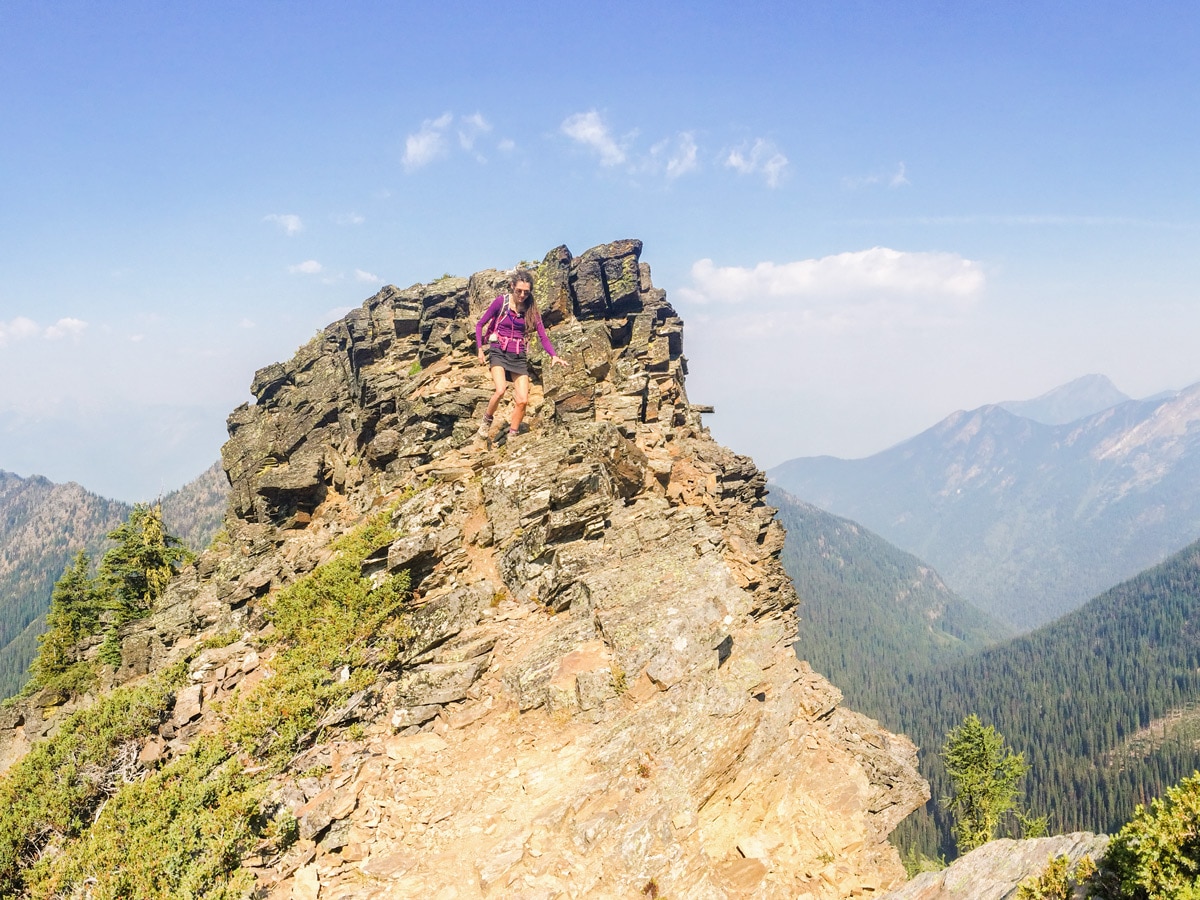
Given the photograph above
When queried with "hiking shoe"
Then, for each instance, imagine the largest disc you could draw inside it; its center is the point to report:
(484, 429)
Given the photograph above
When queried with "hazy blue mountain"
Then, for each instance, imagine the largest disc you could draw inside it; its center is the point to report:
(871, 614)
(43, 525)
(1027, 520)
(1075, 400)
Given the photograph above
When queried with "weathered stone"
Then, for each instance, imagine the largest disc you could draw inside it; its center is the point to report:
(187, 704)
(436, 684)
(552, 287)
(587, 287)
(384, 447)
(996, 870)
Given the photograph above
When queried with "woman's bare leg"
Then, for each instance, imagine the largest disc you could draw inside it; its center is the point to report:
(501, 384)
(520, 399)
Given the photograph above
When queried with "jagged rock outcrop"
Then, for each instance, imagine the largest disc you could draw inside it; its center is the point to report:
(599, 697)
(996, 870)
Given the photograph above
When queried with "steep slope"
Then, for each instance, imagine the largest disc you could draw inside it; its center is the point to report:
(590, 690)
(872, 615)
(1095, 701)
(1027, 520)
(42, 526)
(194, 512)
(1074, 400)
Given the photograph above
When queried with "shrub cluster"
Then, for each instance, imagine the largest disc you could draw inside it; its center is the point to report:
(78, 810)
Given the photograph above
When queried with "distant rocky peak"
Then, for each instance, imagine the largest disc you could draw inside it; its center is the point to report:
(1069, 402)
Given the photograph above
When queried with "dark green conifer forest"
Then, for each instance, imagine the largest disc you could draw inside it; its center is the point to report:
(1100, 702)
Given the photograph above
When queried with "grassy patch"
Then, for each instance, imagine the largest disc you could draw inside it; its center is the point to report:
(180, 833)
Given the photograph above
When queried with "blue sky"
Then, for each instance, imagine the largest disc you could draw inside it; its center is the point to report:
(868, 214)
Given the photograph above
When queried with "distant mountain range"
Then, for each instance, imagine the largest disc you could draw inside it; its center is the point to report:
(43, 525)
(1104, 702)
(1028, 520)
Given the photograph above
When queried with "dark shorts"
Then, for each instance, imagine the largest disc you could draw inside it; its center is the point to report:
(512, 363)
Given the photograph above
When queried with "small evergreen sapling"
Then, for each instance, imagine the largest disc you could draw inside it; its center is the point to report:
(985, 774)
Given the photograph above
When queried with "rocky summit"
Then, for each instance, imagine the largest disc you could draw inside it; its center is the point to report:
(596, 694)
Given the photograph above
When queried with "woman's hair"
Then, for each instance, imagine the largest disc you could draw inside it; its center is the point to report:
(529, 310)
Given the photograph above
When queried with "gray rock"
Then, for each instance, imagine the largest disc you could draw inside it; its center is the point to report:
(996, 870)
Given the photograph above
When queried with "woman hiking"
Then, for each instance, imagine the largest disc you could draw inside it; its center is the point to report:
(510, 322)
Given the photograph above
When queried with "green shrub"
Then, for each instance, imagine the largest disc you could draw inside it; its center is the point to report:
(328, 621)
(51, 794)
(181, 833)
(1058, 881)
(1156, 856)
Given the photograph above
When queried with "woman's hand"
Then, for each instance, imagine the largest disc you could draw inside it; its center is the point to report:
(482, 358)
(559, 360)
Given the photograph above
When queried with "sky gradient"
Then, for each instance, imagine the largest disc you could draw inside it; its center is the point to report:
(868, 214)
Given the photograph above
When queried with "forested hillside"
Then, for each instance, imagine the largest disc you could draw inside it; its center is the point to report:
(194, 512)
(43, 525)
(863, 601)
(1094, 701)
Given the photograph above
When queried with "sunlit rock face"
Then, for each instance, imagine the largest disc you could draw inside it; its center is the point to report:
(599, 697)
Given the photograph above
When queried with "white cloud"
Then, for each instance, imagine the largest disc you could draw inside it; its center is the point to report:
(291, 224)
(18, 329)
(680, 154)
(428, 143)
(360, 275)
(506, 145)
(137, 338)
(896, 179)
(308, 267)
(246, 323)
(847, 291)
(350, 218)
(66, 327)
(879, 269)
(470, 128)
(589, 129)
(760, 158)
(23, 328)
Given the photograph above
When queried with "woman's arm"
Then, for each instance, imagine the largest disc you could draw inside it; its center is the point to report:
(489, 314)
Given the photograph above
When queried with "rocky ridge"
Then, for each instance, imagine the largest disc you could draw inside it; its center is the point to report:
(599, 697)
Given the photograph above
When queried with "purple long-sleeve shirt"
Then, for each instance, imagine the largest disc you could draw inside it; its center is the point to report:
(511, 328)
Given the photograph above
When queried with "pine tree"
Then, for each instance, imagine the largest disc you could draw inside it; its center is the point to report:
(135, 573)
(984, 773)
(74, 614)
